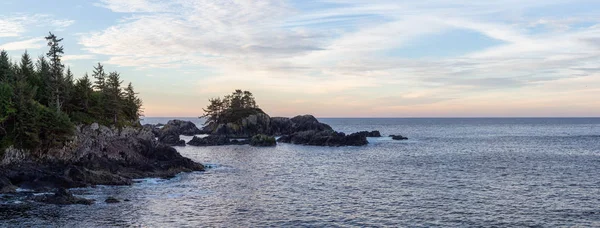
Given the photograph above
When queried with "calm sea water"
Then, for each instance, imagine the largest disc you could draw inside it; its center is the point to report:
(451, 173)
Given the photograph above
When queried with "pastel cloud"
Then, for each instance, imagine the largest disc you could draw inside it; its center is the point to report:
(355, 51)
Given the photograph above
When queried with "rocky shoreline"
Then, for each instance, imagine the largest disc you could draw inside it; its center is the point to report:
(97, 155)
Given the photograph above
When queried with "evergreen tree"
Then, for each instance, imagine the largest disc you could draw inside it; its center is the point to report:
(113, 97)
(100, 77)
(67, 91)
(43, 81)
(5, 71)
(25, 133)
(133, 105)
(54, 54)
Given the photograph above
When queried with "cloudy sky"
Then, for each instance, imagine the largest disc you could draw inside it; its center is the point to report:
(332, 58)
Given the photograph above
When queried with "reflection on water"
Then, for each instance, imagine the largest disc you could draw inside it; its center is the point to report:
(459, 174)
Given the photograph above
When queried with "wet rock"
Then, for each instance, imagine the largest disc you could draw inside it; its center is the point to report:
(308, 123)
(374, 134)
(263, 141)
(62, 197)
(211, 140)
(6, 186)
(324, 138)
(398, 137)
(112, 200)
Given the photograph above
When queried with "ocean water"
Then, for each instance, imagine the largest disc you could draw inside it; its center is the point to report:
(530, 172)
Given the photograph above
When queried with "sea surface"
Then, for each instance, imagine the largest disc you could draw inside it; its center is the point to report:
(503, 172)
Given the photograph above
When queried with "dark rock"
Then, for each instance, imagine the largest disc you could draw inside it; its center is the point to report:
(154, 128)
(62, 197)
(324, 138)
(263, 141)
(211, 140)
(398, 137)
(98, 156)
(171, 138)
(112, 200)
(308, 123)
(244, 127)
(5, 185)
(374, 134)
(281, 126)
(180, 127)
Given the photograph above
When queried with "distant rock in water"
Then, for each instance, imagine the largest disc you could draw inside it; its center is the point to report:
(398, 137)
(182, 127)
(112, 200)
(324, 138)
(374, 134)
(263, 141)
(211, 140)
(62, 197)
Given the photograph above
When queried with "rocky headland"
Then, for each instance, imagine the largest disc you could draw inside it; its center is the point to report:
(96, 155)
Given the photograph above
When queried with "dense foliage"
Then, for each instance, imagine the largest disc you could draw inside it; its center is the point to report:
(40, 103)
(231, 108)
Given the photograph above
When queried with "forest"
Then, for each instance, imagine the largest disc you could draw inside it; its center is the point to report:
(42, 102)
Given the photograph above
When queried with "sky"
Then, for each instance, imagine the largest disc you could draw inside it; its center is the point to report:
(331, 58)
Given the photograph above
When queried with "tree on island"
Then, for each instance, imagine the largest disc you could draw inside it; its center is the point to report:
(230, 108)
(40, 104)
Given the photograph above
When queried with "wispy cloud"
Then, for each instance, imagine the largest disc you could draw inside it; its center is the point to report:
(29, 44)
(16, 24)
(354, 45)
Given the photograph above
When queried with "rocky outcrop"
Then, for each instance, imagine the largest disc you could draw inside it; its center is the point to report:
(246, 127)
(263, 141)
(211, 140)
(373, 134)
(398, 137)
(98, 155)
(324, 138)
(308, 123)
(181, 127)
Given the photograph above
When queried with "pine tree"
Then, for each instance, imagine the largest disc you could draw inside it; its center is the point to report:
(67, 91)
(113, 96)
(43, 81)
(4, 66)
(54, 54)
(25, 133)
(133, 105)
(100, 76)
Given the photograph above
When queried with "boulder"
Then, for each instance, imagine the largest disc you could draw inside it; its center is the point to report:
(62, 197)
(181, 127)
(171, 139)
(398, 137)
(374, 134)
(324, 138)
(308, 123)
(211, 140)
(112, 200)
(263, 141)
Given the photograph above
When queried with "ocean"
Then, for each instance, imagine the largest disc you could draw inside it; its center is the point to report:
(452, 172)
